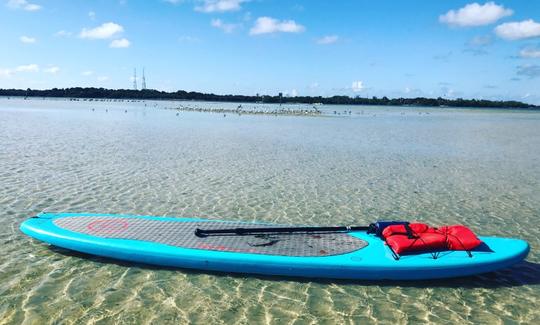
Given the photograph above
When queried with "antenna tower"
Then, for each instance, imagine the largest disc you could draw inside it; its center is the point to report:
(143, 86)
(134, 79)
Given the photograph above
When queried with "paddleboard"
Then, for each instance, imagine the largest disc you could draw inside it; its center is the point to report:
(172, 242)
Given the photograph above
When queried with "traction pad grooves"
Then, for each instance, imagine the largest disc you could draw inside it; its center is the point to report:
(181, 234)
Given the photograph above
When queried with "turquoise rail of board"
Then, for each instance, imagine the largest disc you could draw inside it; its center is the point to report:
(372, 261)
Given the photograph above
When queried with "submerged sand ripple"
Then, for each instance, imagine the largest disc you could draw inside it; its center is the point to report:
(444, 167)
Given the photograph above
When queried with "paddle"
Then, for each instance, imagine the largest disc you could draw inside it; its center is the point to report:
(274, 230)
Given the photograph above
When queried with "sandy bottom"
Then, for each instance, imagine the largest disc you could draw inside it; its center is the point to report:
(481, 168)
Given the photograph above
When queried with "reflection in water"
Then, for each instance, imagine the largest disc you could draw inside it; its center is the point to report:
(440, 166)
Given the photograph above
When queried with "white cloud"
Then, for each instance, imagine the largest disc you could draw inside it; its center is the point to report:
(267, 25)
(87, 73)
(329, 39)
(63, 33)
(52, 70)
(21, 68)
(27, 68)
(530, 53)
(227, 28)
(23, 4)
(220, 5)
(189, 39)
(357, 86)
(27, 39)
(518, 30)
(294, 93)
(32, 7)
(5, 73)
(480, 41)
(120, 43)
(106, 30)
(475, 14)
(528, 70)
(173, 1)
(103, 78)
(478, 45)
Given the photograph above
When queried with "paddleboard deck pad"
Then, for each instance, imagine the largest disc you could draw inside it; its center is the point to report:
(180, 234)
(172, 242)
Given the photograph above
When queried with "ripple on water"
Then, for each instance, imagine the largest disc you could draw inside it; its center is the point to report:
(446, 167)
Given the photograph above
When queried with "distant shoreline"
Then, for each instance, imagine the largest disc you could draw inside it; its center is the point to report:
(149, 94)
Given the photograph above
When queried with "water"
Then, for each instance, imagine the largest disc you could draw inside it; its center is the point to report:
(441, 166)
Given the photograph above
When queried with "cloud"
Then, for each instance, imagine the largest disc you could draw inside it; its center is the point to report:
(27, 39)
(481, 41)
(443, 57)
(87, 73)
(413, 91)
(267, 25)
(188, 39)
(92, 15)
(106, 30)
(298, 7)
(475, 14)
(173, 1)
(5, 73)
(294, 93)
(120, 43)
(52, 70)
(210, 6)
(102, 78)
(227, 28)
(476, 51)
(27, 68)
(329, 39)
(21, 68)
(530, 53)
(23, 4)
(478, 44)
(528, 70)
(449, 92)
(63, 33)
(518, 30)
(357, 86)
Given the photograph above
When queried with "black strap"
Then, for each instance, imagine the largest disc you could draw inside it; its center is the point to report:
(469, 253)
(409, 231)
(394, 254)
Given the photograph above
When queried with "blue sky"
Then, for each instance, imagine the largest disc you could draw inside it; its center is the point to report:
(367, 48)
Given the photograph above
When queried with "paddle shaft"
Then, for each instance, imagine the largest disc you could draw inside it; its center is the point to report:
(274, 230)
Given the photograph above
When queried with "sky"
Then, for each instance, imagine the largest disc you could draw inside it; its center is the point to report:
(484, 50)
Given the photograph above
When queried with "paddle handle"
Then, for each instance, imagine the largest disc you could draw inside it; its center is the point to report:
(274, 230)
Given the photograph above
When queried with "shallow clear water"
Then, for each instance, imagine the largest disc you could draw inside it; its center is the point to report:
(441, 166)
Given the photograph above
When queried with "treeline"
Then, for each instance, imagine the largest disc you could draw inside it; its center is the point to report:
(78, 92)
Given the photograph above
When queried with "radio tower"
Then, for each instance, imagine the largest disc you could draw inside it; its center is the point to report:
(143, 86)
(135, 79)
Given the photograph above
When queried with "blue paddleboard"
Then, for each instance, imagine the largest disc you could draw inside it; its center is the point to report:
(172, 242)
